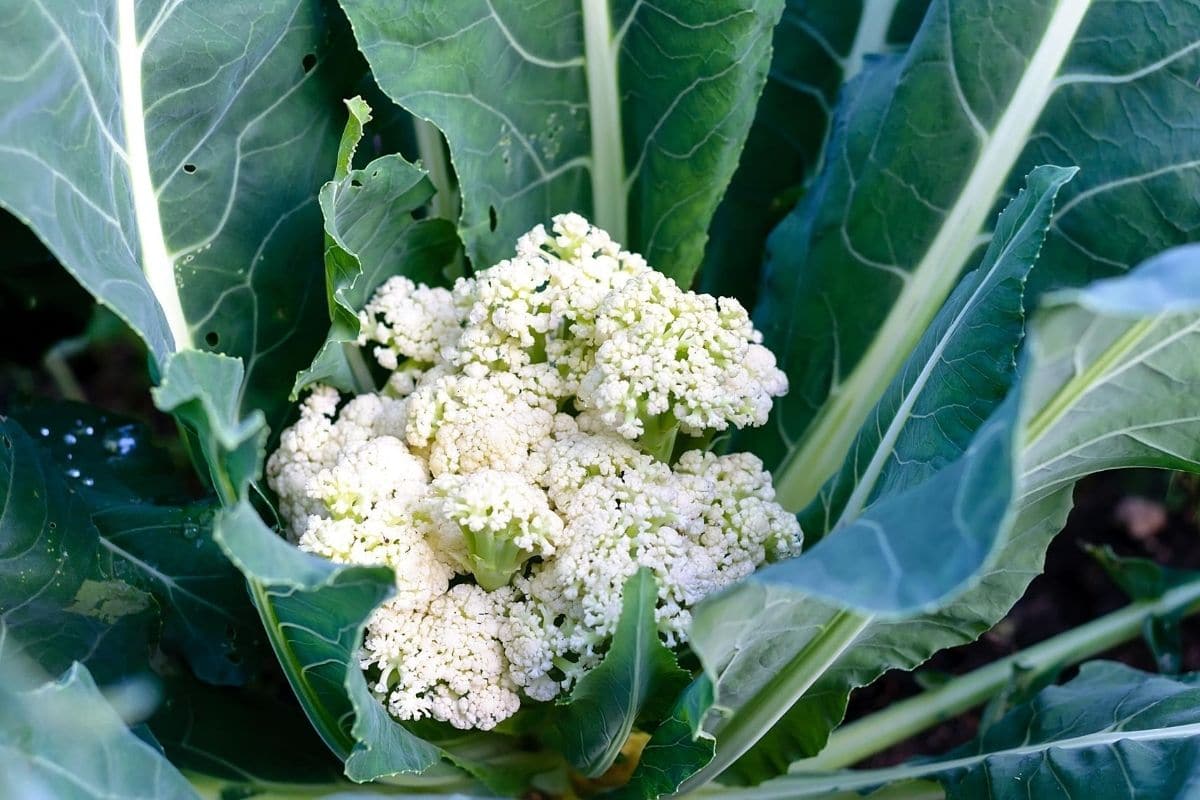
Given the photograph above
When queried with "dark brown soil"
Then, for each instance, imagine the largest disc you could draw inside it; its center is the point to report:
(1144, 514)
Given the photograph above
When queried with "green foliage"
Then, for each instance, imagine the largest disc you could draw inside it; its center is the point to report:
(371, 235)
(862, 264)
(93, 572)
(631, 114)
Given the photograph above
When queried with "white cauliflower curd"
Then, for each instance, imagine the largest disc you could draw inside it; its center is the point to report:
(539, 440)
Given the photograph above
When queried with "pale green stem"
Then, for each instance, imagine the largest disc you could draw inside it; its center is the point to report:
(604, 107)
(433, 158)
(364, 382)
(56, 363)
(900, 721)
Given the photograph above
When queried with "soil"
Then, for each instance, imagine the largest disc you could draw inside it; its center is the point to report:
(1137, 513)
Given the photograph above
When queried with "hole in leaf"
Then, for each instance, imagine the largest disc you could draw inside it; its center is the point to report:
(309, 61)
(492, 218)
(356, 183)
(190, 169)
(212, 338)
(52, 525)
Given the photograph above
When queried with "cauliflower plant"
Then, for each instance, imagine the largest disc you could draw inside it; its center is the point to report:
(537, 442)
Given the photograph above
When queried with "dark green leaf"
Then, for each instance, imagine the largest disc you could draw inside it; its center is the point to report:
(677, 749)
(99, 577)
(818, 45)
(1112, 732)
(314, 612)
(632, 114)
(240, 736)
(635, 682)
(371, 235)
(959, 373)
(1139, 578)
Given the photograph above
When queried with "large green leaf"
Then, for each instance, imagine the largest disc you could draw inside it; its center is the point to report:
(631, 113)
(93, 574)
(957, 376)
(636, 681)
(818, 45)
(1112, 732)
(862, 264)
(371, 235)
(63, 740)
(1110, 381)
(314, 612)
(184, 195)
(829, 650)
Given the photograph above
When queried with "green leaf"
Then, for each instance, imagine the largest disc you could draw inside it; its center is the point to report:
(635, 682)
(1116, 375)
(184, 196)
(1112, 732)
(817, 47)
(959, 373)
(863, 263)
(63, 740)
(99, 577)
(204, 390)
(890, 558)
(633, 114)
(117, 455)
(677, 749)
(1139, 578)
(1094, 396)
(244, 737)
(371, 234)
(314, 612)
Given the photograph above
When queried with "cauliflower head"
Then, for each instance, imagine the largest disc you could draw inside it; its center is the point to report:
(539, 440)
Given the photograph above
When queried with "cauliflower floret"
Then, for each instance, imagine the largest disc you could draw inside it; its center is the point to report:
(669, 359)
(491, 522)
(517, 470)
(467, 423)
(409, 322)
(445, 660)
(379, 473)
(304, 450)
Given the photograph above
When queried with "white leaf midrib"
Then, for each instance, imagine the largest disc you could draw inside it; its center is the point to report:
(157, 264)
(601, 49)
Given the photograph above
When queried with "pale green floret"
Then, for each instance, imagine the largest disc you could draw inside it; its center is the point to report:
(539, 440)
(491, 522)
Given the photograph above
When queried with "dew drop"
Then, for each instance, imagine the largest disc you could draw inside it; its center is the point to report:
(69, 438)
(44, 431)
(72, 473)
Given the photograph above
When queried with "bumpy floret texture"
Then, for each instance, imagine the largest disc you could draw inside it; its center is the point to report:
(538, 441)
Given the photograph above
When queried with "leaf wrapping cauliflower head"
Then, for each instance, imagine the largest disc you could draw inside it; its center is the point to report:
(538, 441)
